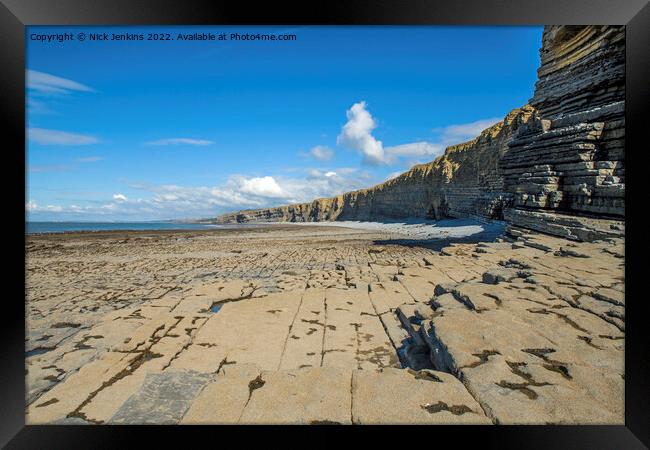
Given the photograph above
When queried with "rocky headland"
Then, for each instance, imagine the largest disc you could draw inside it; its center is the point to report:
(555, 165)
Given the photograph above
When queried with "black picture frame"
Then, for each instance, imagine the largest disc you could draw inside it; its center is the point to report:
(16, 14)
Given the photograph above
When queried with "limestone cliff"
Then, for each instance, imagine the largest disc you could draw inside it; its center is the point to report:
(464, 182)
(568, 161)
(555, 165)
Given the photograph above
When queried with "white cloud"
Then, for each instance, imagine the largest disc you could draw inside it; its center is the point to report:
(46, 169)
(262, 187)
(37, 107)
(180, 141)
(322, 153)
(421, 148)
(455, 134)
(31, 206)
(51, 84)
(89, 159)
(450, 135)
(62, 167)
(55, 137)
(242, 192)
(392, 175)
(237, 192)
(348, 171)
(357, 135)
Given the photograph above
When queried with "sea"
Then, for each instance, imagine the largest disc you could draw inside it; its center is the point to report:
(61, 227)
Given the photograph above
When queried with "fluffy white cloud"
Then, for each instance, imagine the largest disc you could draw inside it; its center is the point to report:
(322, 153)
(357, 135)
(238, 192)
(51, 84)
(55, 137)
(262, 187)
(180, 141)
(455, 134)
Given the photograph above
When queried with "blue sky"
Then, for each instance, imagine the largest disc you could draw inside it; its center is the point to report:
(146, 130)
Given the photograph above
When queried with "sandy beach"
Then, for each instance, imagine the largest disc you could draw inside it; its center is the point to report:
(323, 324)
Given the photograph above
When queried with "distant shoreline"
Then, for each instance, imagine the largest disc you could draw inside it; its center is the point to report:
(420, 230)
(67, 227)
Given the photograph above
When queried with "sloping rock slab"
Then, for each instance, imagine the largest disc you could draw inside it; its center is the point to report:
(163, 399)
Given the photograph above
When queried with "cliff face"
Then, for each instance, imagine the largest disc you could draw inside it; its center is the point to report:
(569, 158)
(555, 165)
(465, 181)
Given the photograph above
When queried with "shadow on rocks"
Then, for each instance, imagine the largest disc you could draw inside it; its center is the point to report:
(489, 234)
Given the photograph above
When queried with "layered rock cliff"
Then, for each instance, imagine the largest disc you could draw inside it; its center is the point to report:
(567, 163)
(555, 165)
(465, 181)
